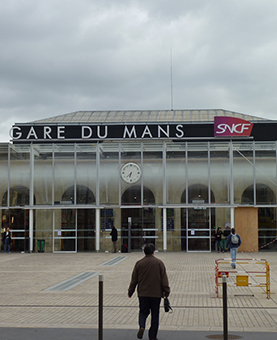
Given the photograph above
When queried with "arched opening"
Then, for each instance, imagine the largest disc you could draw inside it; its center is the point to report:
(142, 220)
(267, 224)
(264, 195)
(17, 219)
(82, 220)
(198, 222)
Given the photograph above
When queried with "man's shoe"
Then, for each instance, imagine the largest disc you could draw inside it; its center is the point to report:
(140, 333)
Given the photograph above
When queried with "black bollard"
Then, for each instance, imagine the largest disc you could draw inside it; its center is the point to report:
(225, 316)
(100, 308)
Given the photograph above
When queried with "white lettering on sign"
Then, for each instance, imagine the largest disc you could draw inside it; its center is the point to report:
(181, 132)
(147, 131)
(60, 132)
(98, 132)
(129, 133)
(46, 132)
(166, 133)
(234, 128)
(86, 132)
(15, 134)
(32, 133)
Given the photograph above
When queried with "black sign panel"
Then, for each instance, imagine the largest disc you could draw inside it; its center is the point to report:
(25, 133)
(86, 133)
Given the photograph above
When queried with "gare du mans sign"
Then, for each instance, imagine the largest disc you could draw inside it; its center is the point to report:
(222, 127)
(68, 132)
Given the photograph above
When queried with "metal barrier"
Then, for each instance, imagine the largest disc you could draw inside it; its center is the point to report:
(242, 276)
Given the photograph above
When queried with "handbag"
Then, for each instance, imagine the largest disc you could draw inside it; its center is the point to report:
(167, 307)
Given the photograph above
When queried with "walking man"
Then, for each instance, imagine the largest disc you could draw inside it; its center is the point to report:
(149, 275)
(233, 242)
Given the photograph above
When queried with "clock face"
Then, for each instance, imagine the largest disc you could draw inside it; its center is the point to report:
(130, 172)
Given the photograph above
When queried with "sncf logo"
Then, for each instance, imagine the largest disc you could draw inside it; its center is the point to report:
(231, 127)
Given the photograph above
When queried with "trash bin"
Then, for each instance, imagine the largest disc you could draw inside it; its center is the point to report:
(41, 244)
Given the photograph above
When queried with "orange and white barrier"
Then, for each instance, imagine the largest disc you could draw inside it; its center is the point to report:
(243, 277)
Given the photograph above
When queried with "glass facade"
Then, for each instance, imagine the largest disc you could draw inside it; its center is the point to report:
(70, 195)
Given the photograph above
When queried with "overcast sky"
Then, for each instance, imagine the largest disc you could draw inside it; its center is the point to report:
(62, 56)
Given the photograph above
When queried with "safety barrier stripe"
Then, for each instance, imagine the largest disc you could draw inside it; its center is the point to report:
(252, 285)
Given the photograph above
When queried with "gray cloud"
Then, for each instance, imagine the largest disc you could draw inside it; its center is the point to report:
(62, 56)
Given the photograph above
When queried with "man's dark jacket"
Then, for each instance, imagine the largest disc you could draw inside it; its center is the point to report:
(114, 234)
(149, 274)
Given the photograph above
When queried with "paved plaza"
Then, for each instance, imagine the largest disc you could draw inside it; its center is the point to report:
(60, 291)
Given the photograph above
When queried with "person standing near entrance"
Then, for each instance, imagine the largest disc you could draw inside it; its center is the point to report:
(218, 239)
(233, 242)
(7, 236)
(114, 238)
(150, 278)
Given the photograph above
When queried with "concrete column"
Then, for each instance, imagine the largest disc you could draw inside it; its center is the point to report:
(31, 229)
(31, 199)
(164, 230)
(232, 217)
(98, 228)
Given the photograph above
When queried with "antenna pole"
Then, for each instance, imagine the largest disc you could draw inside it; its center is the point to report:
(171, 79)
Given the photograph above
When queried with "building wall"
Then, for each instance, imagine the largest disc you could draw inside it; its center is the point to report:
(167, 172)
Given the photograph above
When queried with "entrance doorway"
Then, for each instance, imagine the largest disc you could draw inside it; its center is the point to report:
(17, 219)
(198, 236)
(197, 222)
(77, 230)
(142, 220)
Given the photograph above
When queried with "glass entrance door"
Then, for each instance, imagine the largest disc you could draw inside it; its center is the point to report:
(142, 231)
(65, 235)
(17, 219)
(86, 229)
(199, 229)
(18, 222)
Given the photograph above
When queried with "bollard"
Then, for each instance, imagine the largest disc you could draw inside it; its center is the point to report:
(225, 316)
(100, 308)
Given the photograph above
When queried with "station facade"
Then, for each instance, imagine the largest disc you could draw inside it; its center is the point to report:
(167, 177)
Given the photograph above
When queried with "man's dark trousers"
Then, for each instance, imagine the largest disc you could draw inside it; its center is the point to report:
(147, 305)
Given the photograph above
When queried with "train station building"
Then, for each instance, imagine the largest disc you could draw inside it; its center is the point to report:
(168, 177)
